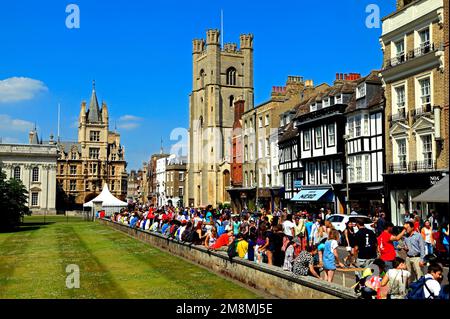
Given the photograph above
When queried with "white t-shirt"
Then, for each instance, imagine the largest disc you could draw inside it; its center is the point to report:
(398, 279)
(433, 286)
(287, 227)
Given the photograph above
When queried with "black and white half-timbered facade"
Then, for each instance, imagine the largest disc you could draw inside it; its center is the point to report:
(365, 150)
(321, 127)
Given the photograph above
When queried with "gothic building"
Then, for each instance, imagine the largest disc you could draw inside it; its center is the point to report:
(96, 159)
(220, 75)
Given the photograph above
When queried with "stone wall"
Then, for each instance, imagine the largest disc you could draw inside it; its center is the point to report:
(268, 279)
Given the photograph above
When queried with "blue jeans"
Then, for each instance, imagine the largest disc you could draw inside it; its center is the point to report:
(429, 248)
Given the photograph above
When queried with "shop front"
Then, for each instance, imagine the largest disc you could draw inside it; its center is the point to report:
(313, 198)
(242, 198)
(401, 189)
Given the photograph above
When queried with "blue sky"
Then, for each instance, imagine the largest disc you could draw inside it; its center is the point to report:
(139, 53)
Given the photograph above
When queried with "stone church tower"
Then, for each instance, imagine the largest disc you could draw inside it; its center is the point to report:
(220, 76)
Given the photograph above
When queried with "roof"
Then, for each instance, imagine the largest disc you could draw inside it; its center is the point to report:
(107, 199)
(93, 115)
(437, 193)
(67, 146)
(290, 131)
(378, 97)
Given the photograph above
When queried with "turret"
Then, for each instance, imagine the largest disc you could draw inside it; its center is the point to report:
(198, 45)
(212, 37)
(105, 116)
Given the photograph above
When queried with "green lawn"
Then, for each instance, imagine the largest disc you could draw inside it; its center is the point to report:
(112, 265)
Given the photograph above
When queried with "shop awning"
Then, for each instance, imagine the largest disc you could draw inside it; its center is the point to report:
(310, 194)
(437, 193)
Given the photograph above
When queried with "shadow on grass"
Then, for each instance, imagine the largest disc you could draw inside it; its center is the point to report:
(24, 227)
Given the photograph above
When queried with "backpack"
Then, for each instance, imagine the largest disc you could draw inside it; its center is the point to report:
(416, 290)
(232, 249)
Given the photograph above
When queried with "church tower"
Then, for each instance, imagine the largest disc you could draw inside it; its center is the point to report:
(220, 76)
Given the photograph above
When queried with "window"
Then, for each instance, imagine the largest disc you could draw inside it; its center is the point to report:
(267, 147)
(113, 185)
(427, 149)
(113, 170)
(267, 120)
(338, 171)
(61, 169)
(260, 122)
(202, 78)
(351, 169)
(34, 198)
(400, 93)
(231, 76)
(361, 90)
(331, 135)
(73, 170)
(424, 36)
(246, 179)
(74, 155)
(93, 168)
(357, 125)
(93, 153)
(312, 173)
(180, 191)
(351, 131)
(231, 99)
(288, 181)
(181, 176)
(246, 153)
(324, 171)
(94, 136)
(358, 168)
(313, 107)
(366, 124)
(366, 168)
(113, 157)
(318, 136)
(339, 99)
(401, 145)
(425, 94)
(73, 185)
(306, 140)
(400, 51)
(17, 172)
(326, 102)
(35, 174)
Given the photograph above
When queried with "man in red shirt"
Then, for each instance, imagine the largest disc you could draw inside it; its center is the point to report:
(386, 247)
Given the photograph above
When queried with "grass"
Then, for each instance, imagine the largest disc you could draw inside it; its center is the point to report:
(33, 264)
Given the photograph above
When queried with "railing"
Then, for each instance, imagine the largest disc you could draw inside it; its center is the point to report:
(399, 116)
(412, 54)
(424, 110)
(413, 166)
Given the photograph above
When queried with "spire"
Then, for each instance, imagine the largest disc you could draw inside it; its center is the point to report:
(94, 112)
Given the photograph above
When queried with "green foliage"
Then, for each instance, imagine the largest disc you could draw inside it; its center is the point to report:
(13, 202)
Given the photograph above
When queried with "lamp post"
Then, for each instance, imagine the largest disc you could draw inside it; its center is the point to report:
(346, 137)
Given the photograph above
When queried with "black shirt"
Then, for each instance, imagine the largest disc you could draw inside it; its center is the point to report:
(366, 241)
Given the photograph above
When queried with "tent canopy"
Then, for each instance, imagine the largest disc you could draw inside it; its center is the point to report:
(107, 199)
(437, 193)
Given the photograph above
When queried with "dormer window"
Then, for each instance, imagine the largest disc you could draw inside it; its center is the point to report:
(339, 99)
(326, 102)
(361, 90)
(313, 107)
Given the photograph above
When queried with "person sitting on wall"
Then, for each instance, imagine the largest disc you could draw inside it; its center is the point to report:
(224, 240)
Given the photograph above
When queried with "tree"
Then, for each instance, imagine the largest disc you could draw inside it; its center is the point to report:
(13, 202)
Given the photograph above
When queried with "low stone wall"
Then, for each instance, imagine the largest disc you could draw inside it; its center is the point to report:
(269, 279)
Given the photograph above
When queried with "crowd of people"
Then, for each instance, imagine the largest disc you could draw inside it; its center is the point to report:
(306, 244)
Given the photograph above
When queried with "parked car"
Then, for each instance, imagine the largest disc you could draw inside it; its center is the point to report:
(339, 221)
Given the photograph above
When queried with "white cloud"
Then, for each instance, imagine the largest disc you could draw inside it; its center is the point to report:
(9, 124)
(129, 122)
(17, 89)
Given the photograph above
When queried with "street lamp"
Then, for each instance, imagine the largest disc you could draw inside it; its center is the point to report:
(346, 137)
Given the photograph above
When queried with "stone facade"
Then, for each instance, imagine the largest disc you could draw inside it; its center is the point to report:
(416, 119)
(35, 165)
(175, 180)
(220, 75)
(95, 159)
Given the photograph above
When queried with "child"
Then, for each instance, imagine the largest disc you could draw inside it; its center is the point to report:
(330, 255)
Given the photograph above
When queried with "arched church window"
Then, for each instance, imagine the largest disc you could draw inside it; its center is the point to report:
(231, 76)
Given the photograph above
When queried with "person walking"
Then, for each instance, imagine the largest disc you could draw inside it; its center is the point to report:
(330, 255)
(415, 250)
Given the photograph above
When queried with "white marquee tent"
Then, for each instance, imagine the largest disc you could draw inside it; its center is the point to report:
(110, 203)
